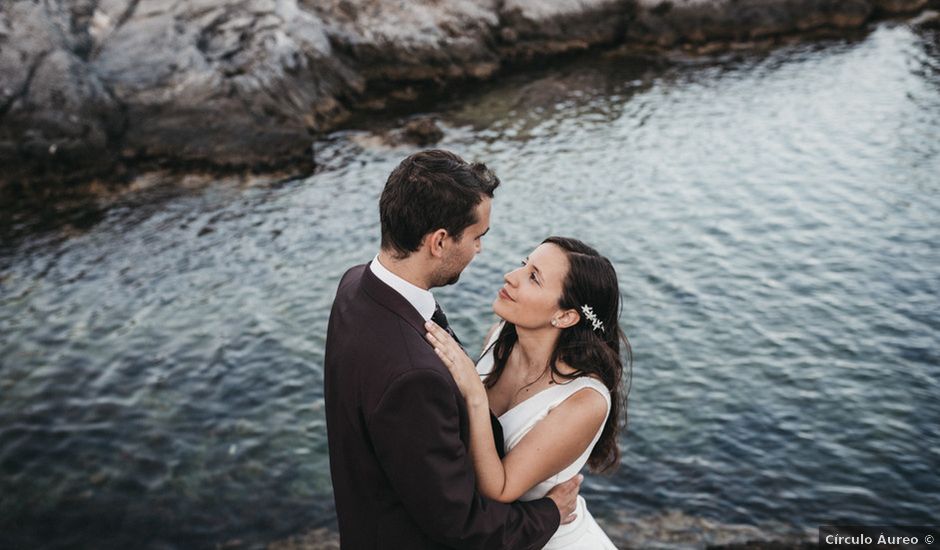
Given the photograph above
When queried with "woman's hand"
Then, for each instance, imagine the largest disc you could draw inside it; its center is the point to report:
(458, 362)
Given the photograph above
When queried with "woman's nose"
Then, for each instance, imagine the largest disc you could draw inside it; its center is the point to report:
(511, 277)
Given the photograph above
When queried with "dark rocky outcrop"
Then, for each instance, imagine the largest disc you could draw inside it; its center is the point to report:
(88, 86)
(55, 113)
(534, 29)
(223, 83)
(765, 545)
(667, 22)
(317, 539)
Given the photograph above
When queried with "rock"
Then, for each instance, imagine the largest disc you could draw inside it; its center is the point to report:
(892, 7)
(98, 478)
(422, 131)
(88, 86)
(241, 83)
(57, 116)
(930, 19)
(765, 545)
(536, 29)
(667, 22)
(413, 41)
(316, 539)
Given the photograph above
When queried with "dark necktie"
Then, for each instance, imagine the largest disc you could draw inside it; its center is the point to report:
(441, 321)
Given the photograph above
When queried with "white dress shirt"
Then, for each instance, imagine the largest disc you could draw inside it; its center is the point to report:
(422, 300)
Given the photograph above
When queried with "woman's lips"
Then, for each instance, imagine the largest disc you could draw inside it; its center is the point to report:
(505, 295)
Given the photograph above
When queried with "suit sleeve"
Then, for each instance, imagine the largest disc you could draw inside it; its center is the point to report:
(416, 433)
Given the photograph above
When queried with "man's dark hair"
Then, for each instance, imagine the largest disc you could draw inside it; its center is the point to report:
(428, 191)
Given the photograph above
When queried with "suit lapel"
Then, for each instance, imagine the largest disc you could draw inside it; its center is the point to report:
(389, 298)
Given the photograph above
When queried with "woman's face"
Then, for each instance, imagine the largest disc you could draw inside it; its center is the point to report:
(529, 299)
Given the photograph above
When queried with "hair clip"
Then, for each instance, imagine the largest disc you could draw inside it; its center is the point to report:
(589, 314)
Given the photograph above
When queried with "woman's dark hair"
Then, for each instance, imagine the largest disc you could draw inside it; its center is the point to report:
(428, 191)
(591, 281)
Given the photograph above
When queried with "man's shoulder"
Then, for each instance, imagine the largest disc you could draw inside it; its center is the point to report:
(409, 348)
(352, 275)
(401, 360)
(349, 284)
(380, 336)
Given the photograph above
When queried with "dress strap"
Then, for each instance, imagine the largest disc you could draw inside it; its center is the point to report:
(567, 389)
(493, 337)
(485, 362)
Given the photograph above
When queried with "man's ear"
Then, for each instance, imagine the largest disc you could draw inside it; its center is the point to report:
(434, 242)
(566, 318)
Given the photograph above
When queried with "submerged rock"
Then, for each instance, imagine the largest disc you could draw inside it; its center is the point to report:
(422, 131)
(930, 19)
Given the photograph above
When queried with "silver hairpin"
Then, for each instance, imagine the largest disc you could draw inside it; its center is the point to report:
(589, 313)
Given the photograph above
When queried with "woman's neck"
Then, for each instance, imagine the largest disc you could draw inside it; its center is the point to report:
(534, 349)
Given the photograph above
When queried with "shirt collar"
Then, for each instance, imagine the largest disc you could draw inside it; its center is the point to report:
(422, 300)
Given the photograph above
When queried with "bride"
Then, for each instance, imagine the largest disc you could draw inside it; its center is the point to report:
(551, 372)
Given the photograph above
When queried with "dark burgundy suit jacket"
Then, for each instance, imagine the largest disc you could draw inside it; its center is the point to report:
(398, 434)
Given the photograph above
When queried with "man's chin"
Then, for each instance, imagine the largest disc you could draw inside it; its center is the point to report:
(445, 282)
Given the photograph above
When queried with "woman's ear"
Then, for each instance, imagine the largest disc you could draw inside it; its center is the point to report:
(434, 242)
(566, 318)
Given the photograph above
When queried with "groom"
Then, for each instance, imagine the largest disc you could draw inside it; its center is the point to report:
(397, 426)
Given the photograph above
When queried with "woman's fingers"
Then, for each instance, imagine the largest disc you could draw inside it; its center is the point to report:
(444, 357)
(451, 354)
(435, 341)
(440, 334)
(453, 357)
(439, 338)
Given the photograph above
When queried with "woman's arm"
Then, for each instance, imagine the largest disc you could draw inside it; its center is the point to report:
(554, 443)
(549, 447)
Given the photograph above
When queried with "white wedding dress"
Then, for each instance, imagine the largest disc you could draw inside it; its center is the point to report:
(583, 533)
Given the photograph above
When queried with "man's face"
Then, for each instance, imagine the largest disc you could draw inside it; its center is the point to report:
(459, 253)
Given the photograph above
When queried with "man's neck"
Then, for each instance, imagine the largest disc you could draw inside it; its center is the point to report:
(406, 268)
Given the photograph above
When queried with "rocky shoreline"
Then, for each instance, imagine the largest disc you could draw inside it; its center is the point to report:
(324, 539)
(90, 87)
(670, 529)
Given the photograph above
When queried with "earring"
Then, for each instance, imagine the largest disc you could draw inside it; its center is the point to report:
(554, 322)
